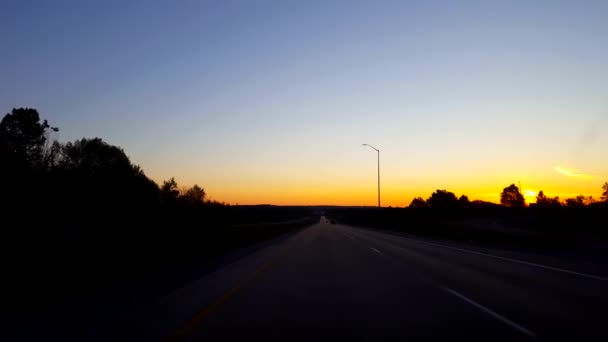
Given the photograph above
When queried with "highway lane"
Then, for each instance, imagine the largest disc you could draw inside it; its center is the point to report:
(339, 282)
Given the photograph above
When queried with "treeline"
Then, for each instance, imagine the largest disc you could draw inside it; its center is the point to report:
(510, 196)
(91, 182)
(42, 176)
(444, 215)
(80, 218)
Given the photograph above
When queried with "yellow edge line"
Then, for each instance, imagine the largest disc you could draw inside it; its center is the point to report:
(193, 323)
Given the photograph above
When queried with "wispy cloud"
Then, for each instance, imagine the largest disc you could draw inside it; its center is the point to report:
(572, 172)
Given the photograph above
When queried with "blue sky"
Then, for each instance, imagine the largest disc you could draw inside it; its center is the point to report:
(269, 101)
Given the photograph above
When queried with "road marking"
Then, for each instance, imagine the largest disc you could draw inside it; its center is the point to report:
(375, 250)
(191, 325)
(492, 313)
(514, 260)
(552, 268)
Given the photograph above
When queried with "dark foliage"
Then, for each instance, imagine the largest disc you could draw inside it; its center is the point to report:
(464, 200)
(22, 138)
(80, 218)
(512, 197)
(442, 199)
(543, 201)
(579, 201)
(419, 203)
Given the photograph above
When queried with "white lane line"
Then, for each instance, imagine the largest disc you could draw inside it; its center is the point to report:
(492, 313)
(516, 261)
(375, 250)
(557, 269)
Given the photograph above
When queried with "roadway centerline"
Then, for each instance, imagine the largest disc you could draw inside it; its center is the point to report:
(492, 313)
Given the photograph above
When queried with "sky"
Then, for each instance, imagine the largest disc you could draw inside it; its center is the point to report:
(271, 101)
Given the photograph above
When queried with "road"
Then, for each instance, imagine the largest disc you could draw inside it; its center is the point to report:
(332, 281)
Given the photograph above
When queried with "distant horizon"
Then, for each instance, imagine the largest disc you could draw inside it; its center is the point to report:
(529, 195)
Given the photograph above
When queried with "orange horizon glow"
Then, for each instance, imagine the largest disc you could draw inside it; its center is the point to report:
(349, 178)
(346, 174)
(394, 195)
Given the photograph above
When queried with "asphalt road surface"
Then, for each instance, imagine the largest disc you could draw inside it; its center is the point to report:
(335, 282)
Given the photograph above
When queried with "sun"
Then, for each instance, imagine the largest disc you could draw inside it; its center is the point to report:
(529, 195)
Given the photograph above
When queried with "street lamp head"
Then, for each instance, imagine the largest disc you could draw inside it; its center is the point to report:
(371, 147)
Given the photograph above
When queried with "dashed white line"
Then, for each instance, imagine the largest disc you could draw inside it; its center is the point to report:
(492, 313)
(516, 261)
(528, 263)
(375, 250)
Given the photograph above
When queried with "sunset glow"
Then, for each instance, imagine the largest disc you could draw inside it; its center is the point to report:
(270, 104)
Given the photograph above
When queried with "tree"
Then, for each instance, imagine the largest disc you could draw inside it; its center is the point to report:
(578, 201)
(464, 200)
(169, 190)
(96, 157)
(541, 198)
(605, 193)
(418, 202)
(442, 199)
(512, 197)
(543, 201)
(23, 137)
(194, 195)
(554, 202)
(52, 155)
(95, 173)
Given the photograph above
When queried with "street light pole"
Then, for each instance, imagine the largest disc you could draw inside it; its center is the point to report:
(377, 150)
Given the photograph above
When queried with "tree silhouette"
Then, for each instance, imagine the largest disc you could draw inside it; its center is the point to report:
(541, 198)
(169, 192)
(84, 202)
(52, 155)
(464, 200)
(605, 193)
(576, 202)
(194, 195)
(512, 197)
(579, 201)
(543, 201)
(95, 157)
(22, 137)
(101, 174)
(418, 202)
(442, 199)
